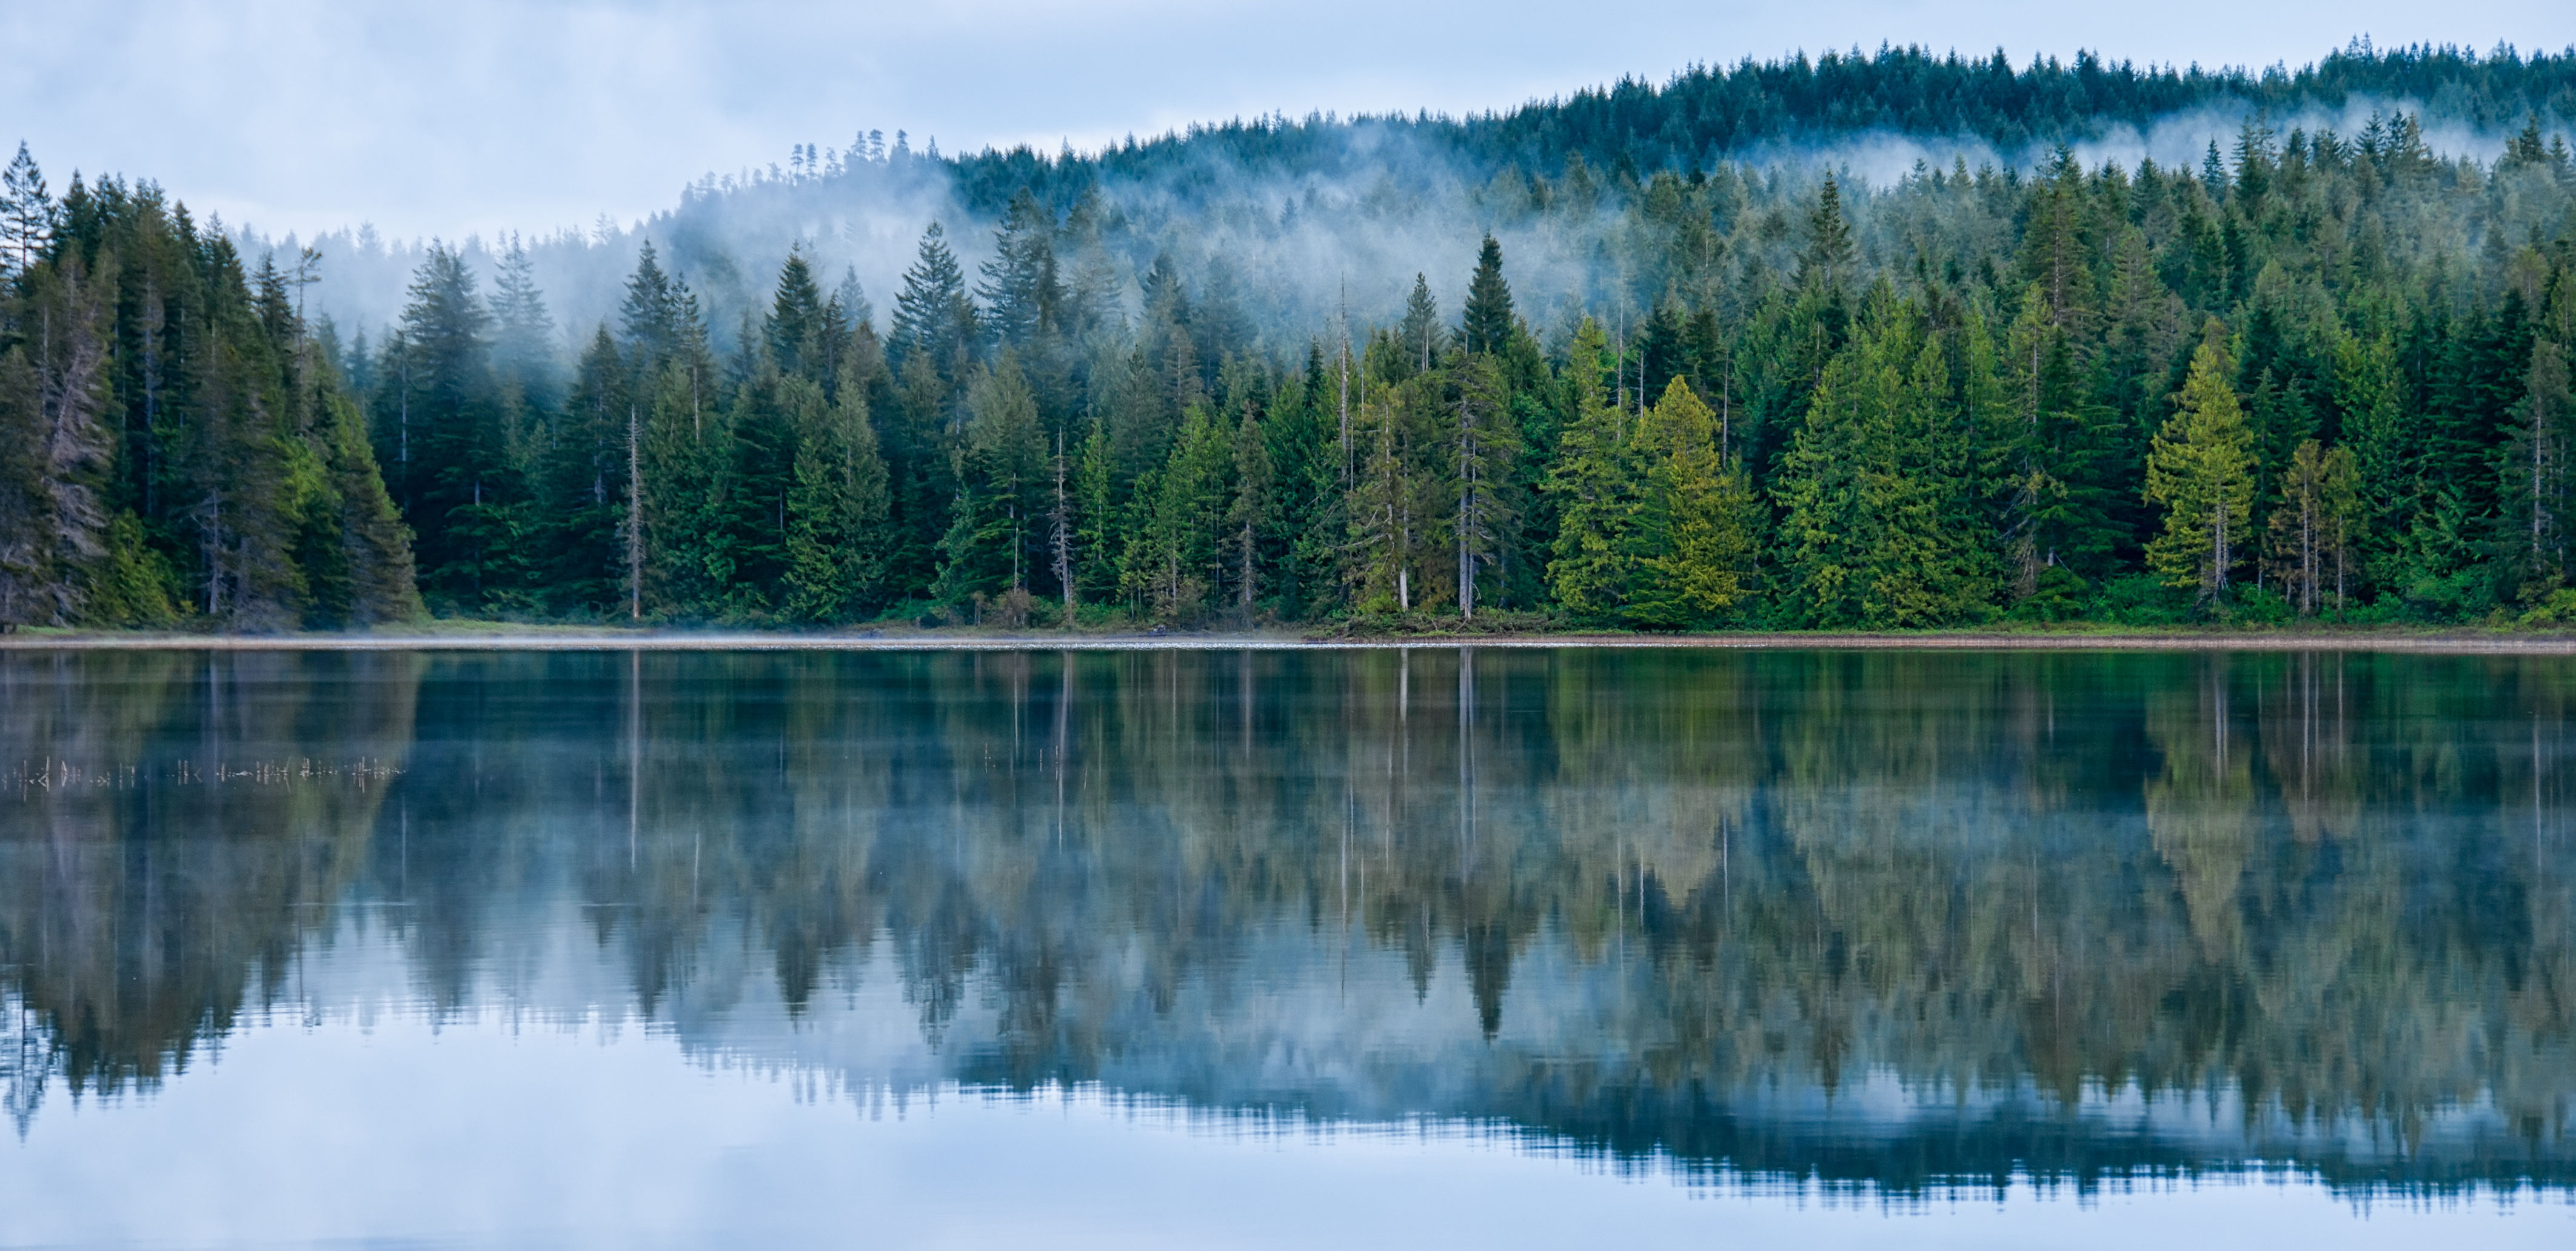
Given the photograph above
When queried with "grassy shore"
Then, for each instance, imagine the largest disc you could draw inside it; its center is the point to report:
(461, 635)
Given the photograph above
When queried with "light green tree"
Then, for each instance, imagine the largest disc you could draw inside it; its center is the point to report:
(2201, 468)
(1699, 517)
(2312, 530)
(1595, 485)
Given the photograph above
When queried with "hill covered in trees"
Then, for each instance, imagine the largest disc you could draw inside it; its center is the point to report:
(1692, 369)
(174, 444)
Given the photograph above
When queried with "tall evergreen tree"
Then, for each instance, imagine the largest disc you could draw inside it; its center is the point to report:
(1488, 324)
(27, 214)
(1697, 530)
(2202, 471)
(1249, 516)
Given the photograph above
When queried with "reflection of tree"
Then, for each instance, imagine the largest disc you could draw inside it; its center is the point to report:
(2200, 810)
(176, 821)
(1973, 873)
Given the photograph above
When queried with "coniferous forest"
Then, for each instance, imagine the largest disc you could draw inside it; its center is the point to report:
(1696, 375)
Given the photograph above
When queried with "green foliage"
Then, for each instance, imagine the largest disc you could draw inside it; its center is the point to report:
(2140, 599)
(1877, 489)
(176, 444)
(1964, 395)
(2202, 471)
(1699, 519)
(2056, 595)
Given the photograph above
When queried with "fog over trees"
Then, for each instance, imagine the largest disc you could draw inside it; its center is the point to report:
(1653, 357)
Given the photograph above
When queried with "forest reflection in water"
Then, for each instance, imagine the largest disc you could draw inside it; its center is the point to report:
(1892, 920)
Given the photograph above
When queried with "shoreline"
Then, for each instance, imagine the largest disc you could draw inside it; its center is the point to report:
(2454, 642)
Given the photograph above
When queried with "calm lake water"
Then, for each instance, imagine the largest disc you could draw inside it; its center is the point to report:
(1285, 948)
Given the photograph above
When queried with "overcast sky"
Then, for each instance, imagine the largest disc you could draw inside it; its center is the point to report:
(483, 115)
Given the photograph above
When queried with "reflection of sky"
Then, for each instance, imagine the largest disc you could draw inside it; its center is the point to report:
(488, 1132)
(535, 1117)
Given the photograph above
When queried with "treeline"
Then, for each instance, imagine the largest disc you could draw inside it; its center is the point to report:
(174, 445)
(2317, 375)
(1707, 115)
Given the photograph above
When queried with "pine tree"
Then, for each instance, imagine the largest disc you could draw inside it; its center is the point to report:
(657, 314)
(803, 333)
(1880, 529)
(1487, 325)
(1595, 483)
(2369, 389)
(686, 479)
(1487, 444)
(1097, 537)
(2202, 470)
(27, 214)
(455, 482)
(2312, 531)
(1826, 262)
(2056, 254)
(523, 332)
(374, 546)
(1698, 520)
(2536, 468)
(934, 320)
(1001, 477)
(1420, 332)
(1175, 557)
(586, 486)
(1061, 523)
(57, 530)
(1248, 517)
(836, 516)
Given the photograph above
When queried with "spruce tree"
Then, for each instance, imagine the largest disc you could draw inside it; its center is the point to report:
(455, 482)
(934, 320)
(1486, 445)
(1001, 483)
(1826, 261)
(2202, 470)
(27, 214)
(1248, 518)
(523, 332)
(1420, 332)
(1020, 290)
(1698, 521)
(803, 332)
(1595, 483)
(1487, 325)
(836, 516)
(2536, 470)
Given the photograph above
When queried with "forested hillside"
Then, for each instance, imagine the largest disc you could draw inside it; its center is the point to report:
(174, 445)
(1671, 374)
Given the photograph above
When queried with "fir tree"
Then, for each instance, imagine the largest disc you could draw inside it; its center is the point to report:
(27, 214)
(1826, 262)
(934, 320)
(836, 516)
(1248, 517)
(1487, 325)
(1001, 476)
(1592, 570)
(1420, 332)
(2202, 471)
(1698, 522)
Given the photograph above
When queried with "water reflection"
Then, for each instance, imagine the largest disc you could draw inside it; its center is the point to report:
(1901, 920)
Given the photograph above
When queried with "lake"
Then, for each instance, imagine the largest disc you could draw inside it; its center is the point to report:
(1404, 946)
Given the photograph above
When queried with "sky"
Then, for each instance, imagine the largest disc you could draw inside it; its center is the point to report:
(479, 116)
